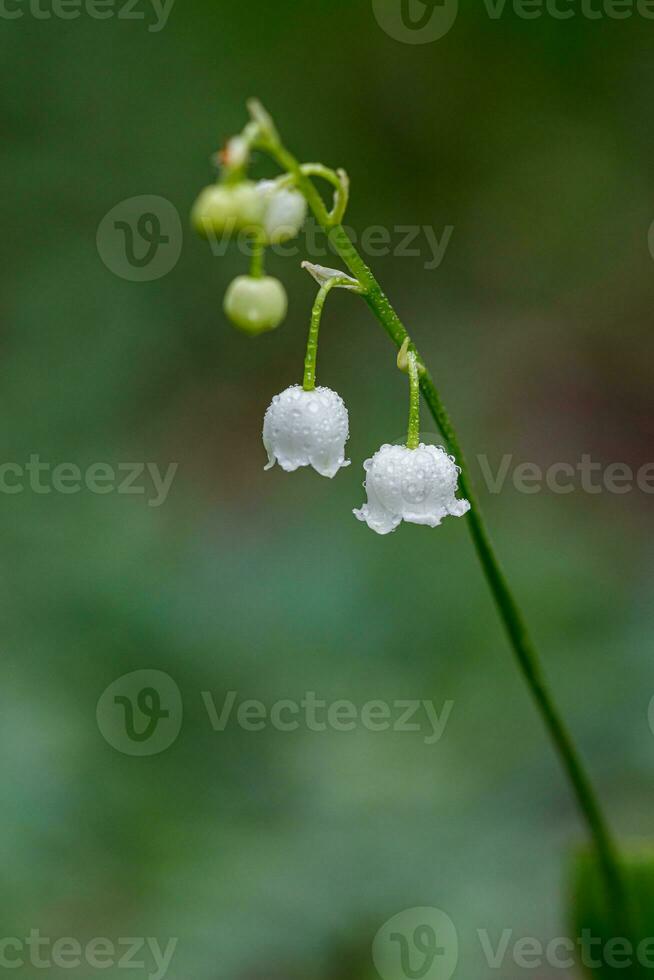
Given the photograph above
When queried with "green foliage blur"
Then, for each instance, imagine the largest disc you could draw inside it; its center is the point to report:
(604, 954)
(273, 854)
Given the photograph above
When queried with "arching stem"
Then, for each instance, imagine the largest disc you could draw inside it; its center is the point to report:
(617, 897)
(311, 357)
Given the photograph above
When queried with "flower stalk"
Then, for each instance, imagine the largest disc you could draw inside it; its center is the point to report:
(258, 258)
(413, 432)
(327, 284)
(309, 382)
(267, 139)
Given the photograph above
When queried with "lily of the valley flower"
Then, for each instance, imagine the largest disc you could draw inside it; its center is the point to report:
(414, 485)
(307, 428)
(255, 305)
(223, 209)
(285, 211)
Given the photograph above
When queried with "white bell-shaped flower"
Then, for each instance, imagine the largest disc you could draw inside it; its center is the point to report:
(285, 211)
(306, 428)
(414, 485)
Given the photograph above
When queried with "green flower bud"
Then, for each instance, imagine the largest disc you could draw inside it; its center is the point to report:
(224, 209)
(256, 305)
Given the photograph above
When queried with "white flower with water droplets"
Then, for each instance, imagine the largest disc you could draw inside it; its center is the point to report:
(414, 485)
(306, 428)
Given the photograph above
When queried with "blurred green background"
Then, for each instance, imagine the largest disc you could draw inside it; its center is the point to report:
(272, 855)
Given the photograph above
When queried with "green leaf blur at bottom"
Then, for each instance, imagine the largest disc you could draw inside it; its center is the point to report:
(605, 953)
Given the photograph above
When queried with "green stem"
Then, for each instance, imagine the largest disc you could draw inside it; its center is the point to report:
(413, 434)
(257, 262)
(507, 607)
(309, 382)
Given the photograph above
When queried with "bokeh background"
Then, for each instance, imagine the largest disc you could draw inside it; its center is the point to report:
(278, 855)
